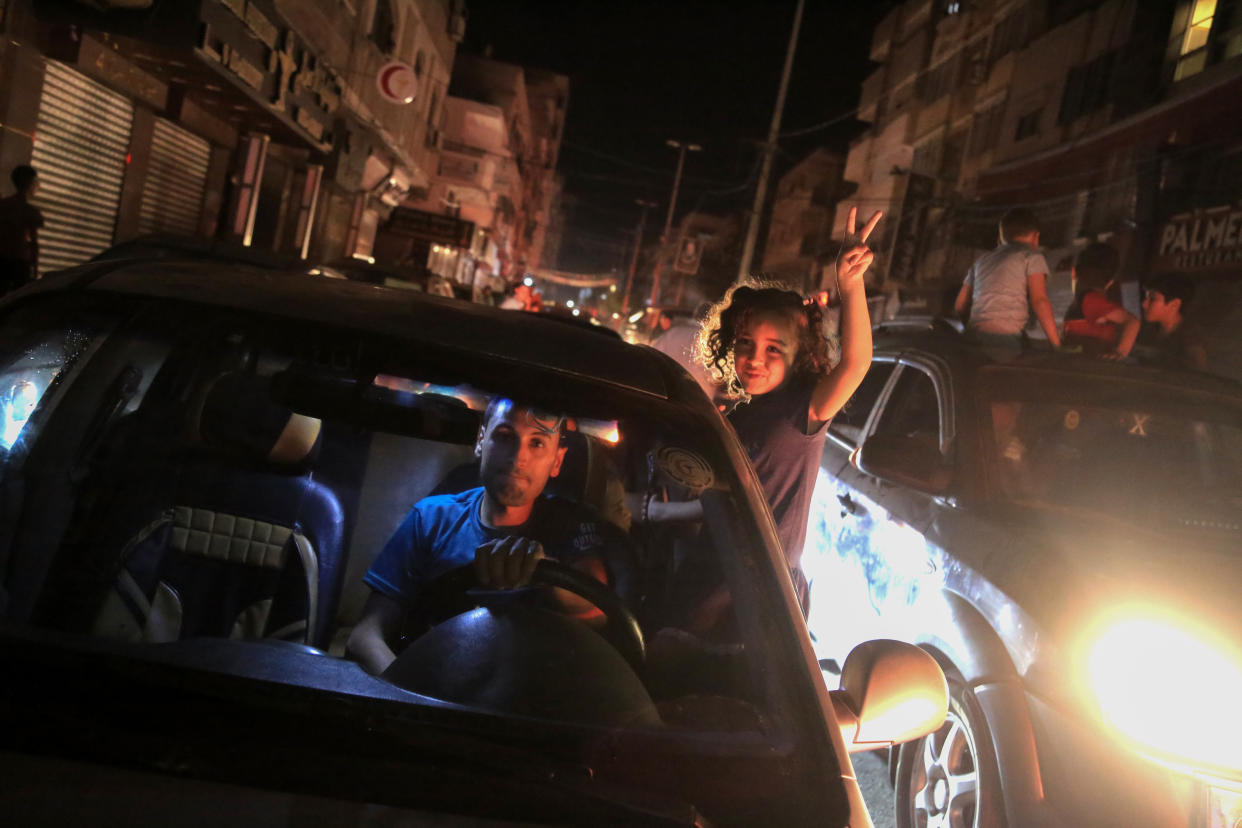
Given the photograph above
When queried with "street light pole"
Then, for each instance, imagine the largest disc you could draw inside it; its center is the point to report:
(681, 147)
(638, 245)
(752, 232)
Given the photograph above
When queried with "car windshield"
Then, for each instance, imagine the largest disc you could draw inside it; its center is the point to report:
(174, 474)
(1129, 450)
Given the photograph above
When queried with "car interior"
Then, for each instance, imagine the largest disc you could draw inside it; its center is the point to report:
(179, 480)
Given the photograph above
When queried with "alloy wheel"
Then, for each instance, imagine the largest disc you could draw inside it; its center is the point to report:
(944, 787)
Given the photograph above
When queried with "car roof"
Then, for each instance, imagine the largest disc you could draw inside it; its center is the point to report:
(940, 338)
(498, 336)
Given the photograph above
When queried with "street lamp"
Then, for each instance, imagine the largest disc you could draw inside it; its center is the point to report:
(682, 147)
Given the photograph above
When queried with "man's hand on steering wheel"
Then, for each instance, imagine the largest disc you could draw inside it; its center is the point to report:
(509, 563)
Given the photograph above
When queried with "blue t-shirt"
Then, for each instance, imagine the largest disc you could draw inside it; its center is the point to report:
(441, 533)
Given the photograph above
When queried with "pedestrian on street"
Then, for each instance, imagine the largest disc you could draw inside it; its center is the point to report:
(20, 222)
(1005, 286)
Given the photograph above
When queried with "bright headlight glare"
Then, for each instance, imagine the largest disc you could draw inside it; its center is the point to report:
(1170, 692)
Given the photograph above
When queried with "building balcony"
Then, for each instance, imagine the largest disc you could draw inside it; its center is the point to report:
(869, 98)
(882, 36)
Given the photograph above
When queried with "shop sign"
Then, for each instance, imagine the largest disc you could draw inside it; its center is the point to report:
(293, 81)
(1201, 241)
(430, 227)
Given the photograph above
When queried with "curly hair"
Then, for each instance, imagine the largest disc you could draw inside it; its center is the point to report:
(713, 347)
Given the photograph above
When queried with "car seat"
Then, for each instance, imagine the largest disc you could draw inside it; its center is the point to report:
(247, 544)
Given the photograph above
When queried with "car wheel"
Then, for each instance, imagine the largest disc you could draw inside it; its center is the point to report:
(949, 778)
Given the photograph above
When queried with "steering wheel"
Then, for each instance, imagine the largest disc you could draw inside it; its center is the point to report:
(531, 660)
(622, 629)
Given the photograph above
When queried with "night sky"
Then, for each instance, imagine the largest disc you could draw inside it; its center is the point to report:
(642, 72)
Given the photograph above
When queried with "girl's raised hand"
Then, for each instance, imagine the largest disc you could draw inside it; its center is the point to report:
(855, 256)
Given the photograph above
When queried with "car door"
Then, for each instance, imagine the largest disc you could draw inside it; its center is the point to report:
(881, 556)
(836, 532)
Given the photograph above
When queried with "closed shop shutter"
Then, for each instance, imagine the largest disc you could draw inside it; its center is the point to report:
(81, 140)
(172, 197)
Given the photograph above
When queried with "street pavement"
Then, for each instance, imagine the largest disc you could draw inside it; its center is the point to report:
(872, 771)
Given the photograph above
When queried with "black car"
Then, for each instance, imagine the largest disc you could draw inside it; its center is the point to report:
(1063, 535)
(200, 462)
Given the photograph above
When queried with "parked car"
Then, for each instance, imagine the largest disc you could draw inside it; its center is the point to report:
(1062, 535)
(204, 460)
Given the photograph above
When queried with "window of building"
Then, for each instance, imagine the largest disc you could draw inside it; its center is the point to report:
(384, 27)
(940, 79)
(952, 7)
(1008, 35)
(1028, 125)
(954, 152)
(985, 129)
(1190, 37)
(927, 156)
(1086, 88)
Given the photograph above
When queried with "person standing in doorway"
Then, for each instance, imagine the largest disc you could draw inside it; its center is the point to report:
(1005, 286)
(20, 222)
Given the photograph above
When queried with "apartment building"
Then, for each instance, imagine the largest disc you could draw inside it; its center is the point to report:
(255, 120)
(1104, 117)
(495, 182)
(800, 229)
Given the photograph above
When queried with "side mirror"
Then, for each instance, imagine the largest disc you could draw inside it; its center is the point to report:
(907, 461)
(891, 692)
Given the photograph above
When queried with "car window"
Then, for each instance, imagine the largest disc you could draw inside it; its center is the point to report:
(849, 422)
(1140, 461)
(32, 358)
(912, 409)
(240, 479)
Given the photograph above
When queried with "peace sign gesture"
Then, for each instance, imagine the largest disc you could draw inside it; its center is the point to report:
(855, 256)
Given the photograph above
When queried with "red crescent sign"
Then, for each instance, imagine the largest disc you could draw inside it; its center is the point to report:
(397, 82)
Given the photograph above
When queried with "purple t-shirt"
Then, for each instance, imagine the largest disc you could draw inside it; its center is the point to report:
(773, 430)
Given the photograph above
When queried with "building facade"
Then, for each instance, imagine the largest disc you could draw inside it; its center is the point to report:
(1104, 117)
(495, 181)
(800, 229)
(257, 121)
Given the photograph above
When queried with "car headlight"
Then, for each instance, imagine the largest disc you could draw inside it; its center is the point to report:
(1170, 691)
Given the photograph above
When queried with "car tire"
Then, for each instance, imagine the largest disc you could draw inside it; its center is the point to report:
(949, 778)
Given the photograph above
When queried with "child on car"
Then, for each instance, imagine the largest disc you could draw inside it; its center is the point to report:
(1094, 322)
(768, 347)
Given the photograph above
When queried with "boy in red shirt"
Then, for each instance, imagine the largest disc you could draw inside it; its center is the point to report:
(1094, 322)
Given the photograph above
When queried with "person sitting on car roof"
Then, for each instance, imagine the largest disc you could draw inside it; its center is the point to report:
(503, 527)
(1095, 322)
(1168, 339)
(1003, 287)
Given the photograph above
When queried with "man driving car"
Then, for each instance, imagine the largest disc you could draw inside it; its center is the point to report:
(504, 527)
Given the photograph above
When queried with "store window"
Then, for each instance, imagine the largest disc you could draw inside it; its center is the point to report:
(1191, 37)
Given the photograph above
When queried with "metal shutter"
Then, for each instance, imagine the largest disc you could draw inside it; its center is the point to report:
(172, 197)
(81, 140)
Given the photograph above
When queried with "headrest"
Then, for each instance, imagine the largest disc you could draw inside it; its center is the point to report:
(239, 417)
